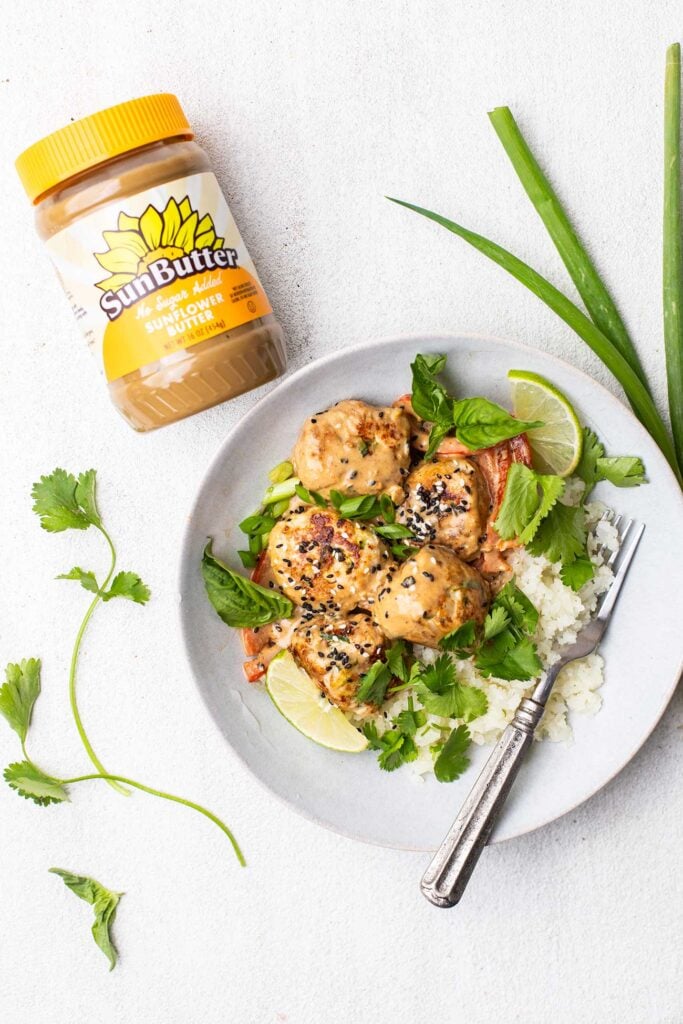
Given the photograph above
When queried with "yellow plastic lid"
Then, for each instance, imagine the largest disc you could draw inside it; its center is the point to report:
(95, 139)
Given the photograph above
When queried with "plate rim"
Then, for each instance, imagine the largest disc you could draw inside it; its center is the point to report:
(330, 357)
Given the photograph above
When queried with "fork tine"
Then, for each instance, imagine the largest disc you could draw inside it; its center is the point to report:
(612, 594)
(607, 517)
(615, 554)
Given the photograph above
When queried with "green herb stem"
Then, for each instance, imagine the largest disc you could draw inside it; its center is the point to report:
(74, 663)
(582, 271)
(672, 254)
(637, 394)
(164, 796)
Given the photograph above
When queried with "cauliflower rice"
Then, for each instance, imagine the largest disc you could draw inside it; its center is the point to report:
(562, 613)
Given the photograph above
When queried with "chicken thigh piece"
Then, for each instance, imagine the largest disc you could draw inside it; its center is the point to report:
(428, 595)
(447, 502)
(354, 448)
(336, 653)
(325, 563)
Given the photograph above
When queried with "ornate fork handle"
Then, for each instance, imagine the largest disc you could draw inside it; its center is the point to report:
(445, 879)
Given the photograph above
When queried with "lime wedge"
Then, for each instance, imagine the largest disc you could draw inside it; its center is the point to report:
(557, 444)
(296, 696)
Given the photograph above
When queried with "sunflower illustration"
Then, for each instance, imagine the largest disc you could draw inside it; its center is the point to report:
(140, 241)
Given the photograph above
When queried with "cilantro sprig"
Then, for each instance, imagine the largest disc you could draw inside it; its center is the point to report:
(503, 648)
(476, 422)
(532, 509)
(439, 692)
(65, 502)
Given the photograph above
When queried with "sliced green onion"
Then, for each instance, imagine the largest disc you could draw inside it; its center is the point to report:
(281, 472)
(256, 543)
(247, 559)
(582, 271)
(257, 524)
(673, 257)
(394, 531)
(388, 508)
(279, 508)
(636, 392)
(280, 491)
(310, 497)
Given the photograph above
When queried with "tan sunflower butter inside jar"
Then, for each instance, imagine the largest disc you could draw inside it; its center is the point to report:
(152, 261)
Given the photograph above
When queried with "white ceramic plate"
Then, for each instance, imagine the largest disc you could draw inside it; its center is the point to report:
(348, 793)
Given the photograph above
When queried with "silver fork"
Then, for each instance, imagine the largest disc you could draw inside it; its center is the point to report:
(445, 879)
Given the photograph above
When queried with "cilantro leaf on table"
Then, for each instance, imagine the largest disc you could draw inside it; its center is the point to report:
(104, 903)
(528, 498)
(128, 585)
(64, 502)
(85, 577)
(452, 761)
(19, 693)
(33, 784)
(561, 537)
(480, 423)
(124, 584)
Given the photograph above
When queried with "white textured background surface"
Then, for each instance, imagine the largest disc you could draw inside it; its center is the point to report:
(311, 112)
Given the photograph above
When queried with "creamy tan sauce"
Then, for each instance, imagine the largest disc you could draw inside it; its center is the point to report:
(337, 652)
(325, 563)
(429, 595)
(447, 502)
(354, 448)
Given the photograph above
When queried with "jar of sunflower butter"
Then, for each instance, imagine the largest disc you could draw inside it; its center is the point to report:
(152, 261)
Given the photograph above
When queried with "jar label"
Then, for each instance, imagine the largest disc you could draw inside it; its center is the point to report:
(157, 272)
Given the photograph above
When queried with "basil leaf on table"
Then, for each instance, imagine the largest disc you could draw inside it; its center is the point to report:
(240, 602)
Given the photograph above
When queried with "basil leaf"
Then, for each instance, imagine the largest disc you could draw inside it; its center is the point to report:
(238, 601)
(429, 398)
(480, 423)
